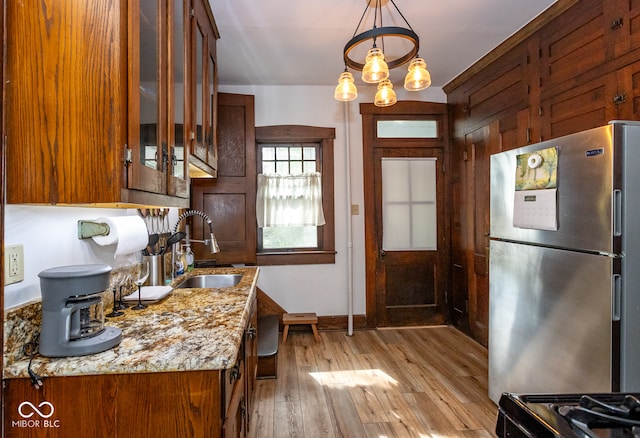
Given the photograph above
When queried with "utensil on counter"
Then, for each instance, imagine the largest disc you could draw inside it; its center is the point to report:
(151, 246)
(174, 238)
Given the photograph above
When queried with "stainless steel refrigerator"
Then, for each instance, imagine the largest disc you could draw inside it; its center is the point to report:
(564, 272)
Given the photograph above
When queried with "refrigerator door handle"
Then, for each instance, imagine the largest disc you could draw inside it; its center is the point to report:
(617, 212)
(617, 290)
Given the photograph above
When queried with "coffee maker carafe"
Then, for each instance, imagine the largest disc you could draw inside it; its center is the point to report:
(72, 311)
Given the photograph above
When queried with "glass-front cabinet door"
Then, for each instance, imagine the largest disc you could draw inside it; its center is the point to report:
(145, 161)
(198, 144)
(204, 92)
(156, 97)
(178, 110)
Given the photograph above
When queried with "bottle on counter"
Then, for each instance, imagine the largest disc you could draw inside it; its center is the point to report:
(189, 258)
(179, 260)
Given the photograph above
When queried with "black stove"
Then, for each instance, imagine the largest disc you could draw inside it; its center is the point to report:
(613, 415)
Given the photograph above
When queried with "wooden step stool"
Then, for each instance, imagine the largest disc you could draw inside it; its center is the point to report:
(299, 318)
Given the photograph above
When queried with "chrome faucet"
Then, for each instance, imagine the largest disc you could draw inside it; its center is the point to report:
(211, 242)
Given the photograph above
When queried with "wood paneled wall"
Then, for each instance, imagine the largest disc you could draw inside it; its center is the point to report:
(574, 67)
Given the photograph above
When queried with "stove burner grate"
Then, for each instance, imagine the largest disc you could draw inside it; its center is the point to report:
(593, 414)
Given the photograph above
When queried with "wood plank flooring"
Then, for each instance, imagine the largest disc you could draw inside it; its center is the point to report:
(418, 382)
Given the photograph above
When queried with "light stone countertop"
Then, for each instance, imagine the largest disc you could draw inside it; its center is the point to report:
(190, 329)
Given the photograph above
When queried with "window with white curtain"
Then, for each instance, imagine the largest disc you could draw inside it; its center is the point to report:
(289, 196)
(294, 200)
(289, 200)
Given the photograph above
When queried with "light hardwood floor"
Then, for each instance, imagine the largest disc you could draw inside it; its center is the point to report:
(419, 382)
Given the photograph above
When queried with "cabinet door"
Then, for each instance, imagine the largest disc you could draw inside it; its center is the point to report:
(234, 412)
(480, 144)
(116, 405)
(574, 43)
(204, 90)
(65, 100)
(147, 98)
(579, 108)
(628, 92)
(156, 97)
(623, 18)
(230, 199)
(251, 360)
(177, 104)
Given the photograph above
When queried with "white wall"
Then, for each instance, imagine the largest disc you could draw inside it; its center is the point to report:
(50, 238)
(49, 234)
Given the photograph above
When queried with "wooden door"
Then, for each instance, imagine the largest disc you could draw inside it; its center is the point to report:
(480, 144)
(410, 281)
(459, 282)
(407, 273)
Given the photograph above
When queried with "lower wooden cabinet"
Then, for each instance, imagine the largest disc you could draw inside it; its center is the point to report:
(209, 403)
(251, 359)
(240, 381)
(136, 405)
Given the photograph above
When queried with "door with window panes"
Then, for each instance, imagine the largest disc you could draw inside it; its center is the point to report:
(405, 230)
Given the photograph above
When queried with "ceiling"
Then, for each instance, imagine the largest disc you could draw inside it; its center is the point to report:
(300, 42)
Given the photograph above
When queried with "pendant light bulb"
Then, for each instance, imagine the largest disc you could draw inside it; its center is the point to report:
(418, 78)
(385, 95)
(375, 68)
(346, 89)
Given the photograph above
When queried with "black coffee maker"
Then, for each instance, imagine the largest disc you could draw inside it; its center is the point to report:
(72, 311)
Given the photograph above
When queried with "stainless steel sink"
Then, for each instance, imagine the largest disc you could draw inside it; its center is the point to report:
(210, 281)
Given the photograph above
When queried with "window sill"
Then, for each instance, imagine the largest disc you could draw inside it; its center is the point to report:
(296, 258)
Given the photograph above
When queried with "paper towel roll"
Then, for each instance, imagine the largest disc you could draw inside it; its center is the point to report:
(128, 232)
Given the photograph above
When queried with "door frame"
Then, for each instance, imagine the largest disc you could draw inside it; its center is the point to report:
(370, 114)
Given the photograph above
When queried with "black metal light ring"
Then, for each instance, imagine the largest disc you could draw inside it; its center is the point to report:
(377, 32)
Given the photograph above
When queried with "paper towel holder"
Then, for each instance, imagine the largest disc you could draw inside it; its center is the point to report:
(89, 229)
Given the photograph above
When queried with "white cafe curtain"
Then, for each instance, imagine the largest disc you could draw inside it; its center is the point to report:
(289, 201)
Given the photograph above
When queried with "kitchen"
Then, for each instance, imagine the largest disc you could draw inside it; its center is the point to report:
(325, 290)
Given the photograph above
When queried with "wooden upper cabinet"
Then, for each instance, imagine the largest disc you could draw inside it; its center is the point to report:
(623, 19)
(500, 90)
(203, 92)
(65, 100)
(98, 98)
(574, 43)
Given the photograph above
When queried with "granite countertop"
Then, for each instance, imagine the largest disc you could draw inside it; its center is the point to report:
(190, 329)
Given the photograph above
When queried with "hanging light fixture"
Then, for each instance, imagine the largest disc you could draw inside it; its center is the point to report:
(375, 69)
(418, 78)
(376, 65)
(346, 89)
(385, 96)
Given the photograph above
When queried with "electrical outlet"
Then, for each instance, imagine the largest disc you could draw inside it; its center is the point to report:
(355, 209)
(13, 264)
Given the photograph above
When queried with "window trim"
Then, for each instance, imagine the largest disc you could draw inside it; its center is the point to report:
(287, 134)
